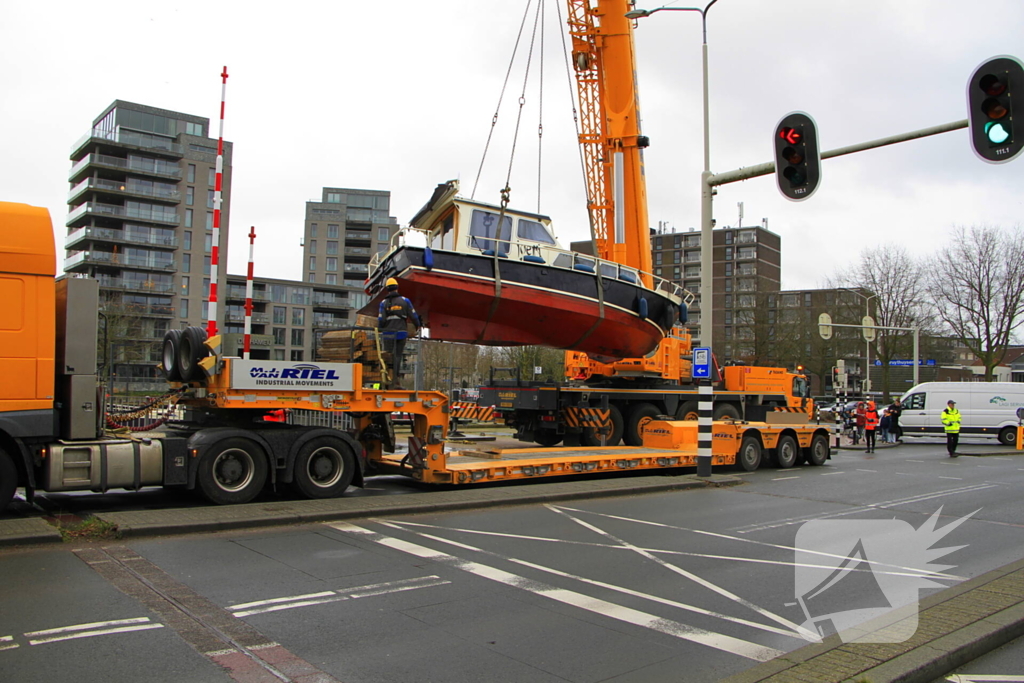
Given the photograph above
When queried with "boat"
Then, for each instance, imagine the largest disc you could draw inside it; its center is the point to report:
(476, 283)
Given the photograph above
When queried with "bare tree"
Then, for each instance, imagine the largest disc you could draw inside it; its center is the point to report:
(977, 287)
(894, 285)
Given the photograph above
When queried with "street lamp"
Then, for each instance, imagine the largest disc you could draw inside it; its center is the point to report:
(705, 187)
(867, 342)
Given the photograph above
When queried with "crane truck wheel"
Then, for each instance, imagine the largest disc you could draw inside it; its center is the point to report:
(817, 454)
(232, 471)
(749, 457)
(324, 468)
(687, 411)
(172, 340)
(191, 350)
(726, 410)
(591, 438)
(639, 416)
(786, 452)
(8, 479)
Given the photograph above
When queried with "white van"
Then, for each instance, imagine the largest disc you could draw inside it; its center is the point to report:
(987, 408)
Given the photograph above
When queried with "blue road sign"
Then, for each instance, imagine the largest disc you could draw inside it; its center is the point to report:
(702, 362)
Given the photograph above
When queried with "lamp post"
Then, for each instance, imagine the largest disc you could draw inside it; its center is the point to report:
(706, 191)
(867, 342)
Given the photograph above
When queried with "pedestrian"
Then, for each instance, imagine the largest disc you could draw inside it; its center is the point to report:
(393, 319)
(951, 422)
(870, 425)
(884, 425)
(859, 421)
(896, 409)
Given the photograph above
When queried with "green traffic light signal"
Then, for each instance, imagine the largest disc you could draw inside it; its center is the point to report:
(990, 109)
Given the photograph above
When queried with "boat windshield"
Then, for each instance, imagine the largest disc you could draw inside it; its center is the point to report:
(533, 231)
(484, 229)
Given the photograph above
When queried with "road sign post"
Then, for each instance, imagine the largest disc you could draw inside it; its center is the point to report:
(705, 408)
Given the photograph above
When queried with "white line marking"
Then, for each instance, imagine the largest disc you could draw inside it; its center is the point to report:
(9, 644)
(97, 632)
(248, 609)
(975, 678)
(827, 474)
(909, 460)
(784, 478)
(956, 478)
(82, 627)
(718, 641)
(867, 470)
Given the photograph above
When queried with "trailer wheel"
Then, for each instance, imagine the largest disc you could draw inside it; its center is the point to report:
(817, 454)
(191, 350)
(8, 479)
(233, 471)
(687, 411)
(591, 438)
(786, 452)
(547, 438)
(172, 340)
(324, 468)
(639, 416)
(749, 457)
(1008, 436)
(726, 410)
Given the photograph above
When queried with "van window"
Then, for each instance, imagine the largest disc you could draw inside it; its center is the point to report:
(914, 402)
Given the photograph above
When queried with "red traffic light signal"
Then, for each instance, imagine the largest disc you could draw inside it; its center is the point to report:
(797, 161)
(990, 111)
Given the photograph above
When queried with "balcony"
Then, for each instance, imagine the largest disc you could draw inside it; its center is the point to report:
(154, 167)
(148, 286)
(139, 310)
(152, 143)
(358, 251)
(357, 236)
(106, 258)
(121, 188)
(81, 235)
(257, 318)
(356, 270)
(325, 300)
(113, 211)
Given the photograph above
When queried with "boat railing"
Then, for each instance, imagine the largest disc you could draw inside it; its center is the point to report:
(559, 258)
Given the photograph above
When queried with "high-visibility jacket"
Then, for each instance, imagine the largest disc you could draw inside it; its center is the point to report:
(951, 420)
(871, 419)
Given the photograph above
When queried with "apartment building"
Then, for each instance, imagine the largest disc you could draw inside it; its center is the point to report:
(343, 230)
(140, 221)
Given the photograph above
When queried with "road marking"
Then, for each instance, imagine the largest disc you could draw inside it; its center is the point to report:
(6, 643)
(957, 478)
(904, 473)
(828, 474)
(96, 628)
(873, 471)
(909, 460)
(975, 678)
(785, 478)
(718, 641)
(246, 609)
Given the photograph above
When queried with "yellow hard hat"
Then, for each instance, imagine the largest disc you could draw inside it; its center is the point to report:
(392, 282)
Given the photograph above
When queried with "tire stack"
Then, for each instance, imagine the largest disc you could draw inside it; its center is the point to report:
(354, 346)
(182, 351)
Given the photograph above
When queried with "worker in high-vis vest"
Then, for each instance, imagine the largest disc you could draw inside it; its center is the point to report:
(392, 319)
(951, 422)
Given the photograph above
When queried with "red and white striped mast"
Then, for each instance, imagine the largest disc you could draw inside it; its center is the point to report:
(248, 297)
(211, 325)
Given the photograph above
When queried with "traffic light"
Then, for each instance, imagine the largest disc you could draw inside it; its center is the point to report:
(797, 160)
(990, 110)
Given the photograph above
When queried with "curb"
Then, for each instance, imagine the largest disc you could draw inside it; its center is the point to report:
(143, 523)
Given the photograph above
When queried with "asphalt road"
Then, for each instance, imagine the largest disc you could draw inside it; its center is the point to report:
(684, 586)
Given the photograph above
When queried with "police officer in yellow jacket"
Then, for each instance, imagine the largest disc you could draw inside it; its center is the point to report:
(392, 319)
(951, 422)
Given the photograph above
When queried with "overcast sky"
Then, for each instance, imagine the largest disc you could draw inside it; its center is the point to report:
(398, 95)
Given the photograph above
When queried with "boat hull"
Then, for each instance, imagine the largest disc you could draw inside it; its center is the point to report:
(461, 300)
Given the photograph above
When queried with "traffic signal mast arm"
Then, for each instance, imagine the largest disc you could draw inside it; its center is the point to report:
(764, 169)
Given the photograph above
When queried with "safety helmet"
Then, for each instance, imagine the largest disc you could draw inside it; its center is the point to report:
(392, 282)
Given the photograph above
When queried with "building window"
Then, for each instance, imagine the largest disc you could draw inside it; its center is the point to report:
(657, 271)
(746, 252)
(383, 234)
(297, 339)
(296, 355)
(728, 333)
(184, 285)
(728, 251)
(183, 308)
(191, 178)
(332, 231)
(657, 258)
(331, 279)
(209, 199)
(728, 270)
(334, 198)
(728, 317)
(206, 310)
(194, 129)
(728, 236)
(657, 242)
(312, 229)
(187, 242)
(676, 273)
(332, 247)
(186, 263)
(209, 220)
(280, 315)
(677, 241)
(677, 257)
(206, 265)
(311, 277)
(208, 243)
(312, 246)
(190, 193)
(211, 179)
(807, 298)
(332, 264)
(188, 219)
(728, 300)
(298, 318)
(279, 333)
(312, 262)
(728, 285)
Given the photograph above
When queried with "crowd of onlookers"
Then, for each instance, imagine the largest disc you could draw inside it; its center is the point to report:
(862, 419)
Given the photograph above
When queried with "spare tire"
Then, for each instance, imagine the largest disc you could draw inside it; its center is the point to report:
(169, 360)
(191, 350)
